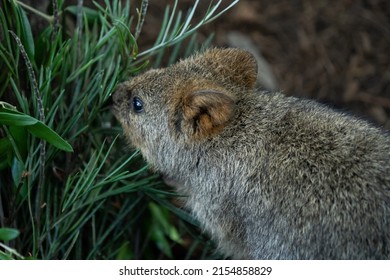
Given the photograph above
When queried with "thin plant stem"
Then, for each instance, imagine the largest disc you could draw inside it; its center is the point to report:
(141, 18)
(1, 210)
(80, 14)
(79, 26)
(56, 16)
(12, 251)
(35, 11)
(42, 144)
(30, 70)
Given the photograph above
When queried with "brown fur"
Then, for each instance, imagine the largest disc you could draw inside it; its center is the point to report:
(203, 111)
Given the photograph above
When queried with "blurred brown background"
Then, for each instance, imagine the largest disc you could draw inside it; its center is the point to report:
(333, 51)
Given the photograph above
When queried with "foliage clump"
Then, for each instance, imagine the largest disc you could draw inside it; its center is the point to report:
(68, 187)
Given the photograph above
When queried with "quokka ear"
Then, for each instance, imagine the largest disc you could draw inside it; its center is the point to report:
(236, 65)
(204, 113)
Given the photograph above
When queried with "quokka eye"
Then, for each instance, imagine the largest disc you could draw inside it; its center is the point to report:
(138, 105)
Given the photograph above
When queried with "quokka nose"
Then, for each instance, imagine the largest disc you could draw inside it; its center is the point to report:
(117, 96)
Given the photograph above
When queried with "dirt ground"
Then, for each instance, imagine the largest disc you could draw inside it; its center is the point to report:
(334, 51)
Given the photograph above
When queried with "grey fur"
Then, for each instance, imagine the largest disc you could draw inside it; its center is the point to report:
(285, 178)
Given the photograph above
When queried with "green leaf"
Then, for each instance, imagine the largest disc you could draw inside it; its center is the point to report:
(44, 132)
(3, 163)
(162, 242)
(83, 68)
(5, 153)
(19, 134)
(91, 14)
(7, 234)
(17, 170)
(37, 128)
(162, 219)
(26, 36)
(125, 252)
(5, 145)
(5, 257)
(16, 119)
